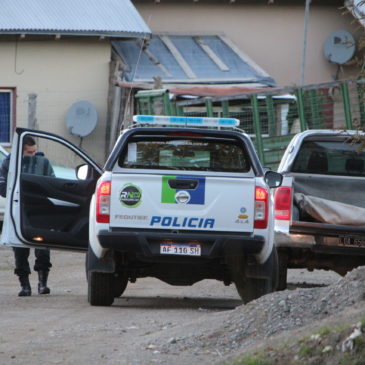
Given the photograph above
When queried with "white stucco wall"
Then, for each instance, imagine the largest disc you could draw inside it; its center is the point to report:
(272, 35)
(59, 72)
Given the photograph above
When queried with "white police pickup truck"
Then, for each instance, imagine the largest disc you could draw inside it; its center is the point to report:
(180, 199)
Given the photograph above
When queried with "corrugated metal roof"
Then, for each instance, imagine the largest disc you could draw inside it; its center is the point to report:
(80, 17)
(189, 59)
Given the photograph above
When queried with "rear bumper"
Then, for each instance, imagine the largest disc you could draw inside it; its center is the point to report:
(322, 238)
(213, 245)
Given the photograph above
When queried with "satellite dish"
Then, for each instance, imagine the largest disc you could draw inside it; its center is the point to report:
(339, 47)
(81, 118)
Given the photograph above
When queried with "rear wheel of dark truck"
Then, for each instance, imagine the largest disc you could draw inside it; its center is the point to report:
(252, 280)
(283, 271)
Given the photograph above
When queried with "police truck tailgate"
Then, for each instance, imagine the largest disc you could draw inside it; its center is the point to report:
(182, 202)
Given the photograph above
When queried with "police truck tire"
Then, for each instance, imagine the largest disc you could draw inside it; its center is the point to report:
(250, 288)
(100, 288)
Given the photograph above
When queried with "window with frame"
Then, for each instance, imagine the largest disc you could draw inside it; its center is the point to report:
(177, 153)
(6, 115)
(330, 157)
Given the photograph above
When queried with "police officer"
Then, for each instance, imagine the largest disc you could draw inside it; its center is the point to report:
(42, 262)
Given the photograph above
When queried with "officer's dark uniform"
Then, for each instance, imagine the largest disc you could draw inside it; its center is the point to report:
(31, 164)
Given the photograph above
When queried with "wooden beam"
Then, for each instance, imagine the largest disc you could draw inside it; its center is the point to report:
(178, 56)
(152, 57)
(221, 65)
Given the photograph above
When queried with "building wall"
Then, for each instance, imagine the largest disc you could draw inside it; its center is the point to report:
(60, 72)
(272, 35)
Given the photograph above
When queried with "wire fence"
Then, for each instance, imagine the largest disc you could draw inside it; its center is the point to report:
(274, 116)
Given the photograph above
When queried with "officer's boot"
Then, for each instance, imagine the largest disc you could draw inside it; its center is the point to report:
(26, 289)
(42, 285)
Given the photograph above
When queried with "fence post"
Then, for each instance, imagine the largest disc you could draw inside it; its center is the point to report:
(149, 104)
(360, 94)
(315, 107)
(346, 105)
(271, 115)
(209, 106)
(257, 127)
(167, 102)
(300, 105)
(180, 110)
(225, 109)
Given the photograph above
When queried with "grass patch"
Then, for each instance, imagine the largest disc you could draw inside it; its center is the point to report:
(324, 331)
(252, 360)
(305, 351)
(308, 350)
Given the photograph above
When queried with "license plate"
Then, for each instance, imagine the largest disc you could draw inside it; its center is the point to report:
(185, 249)
(352, 241)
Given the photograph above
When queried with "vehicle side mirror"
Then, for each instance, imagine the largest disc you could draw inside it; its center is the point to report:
(82, 172)
(273, 179)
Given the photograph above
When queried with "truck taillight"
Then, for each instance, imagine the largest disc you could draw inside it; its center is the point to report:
(103, 202)
(261, 207)
(283, 198)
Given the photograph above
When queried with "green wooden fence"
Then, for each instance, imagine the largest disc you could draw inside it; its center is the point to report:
(274, 116)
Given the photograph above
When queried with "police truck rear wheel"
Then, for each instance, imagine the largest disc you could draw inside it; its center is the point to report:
(100, 288)
(250, 288)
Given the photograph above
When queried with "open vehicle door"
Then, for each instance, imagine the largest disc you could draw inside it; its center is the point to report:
(48, 195)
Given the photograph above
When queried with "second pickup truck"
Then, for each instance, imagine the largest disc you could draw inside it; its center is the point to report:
(320, 207)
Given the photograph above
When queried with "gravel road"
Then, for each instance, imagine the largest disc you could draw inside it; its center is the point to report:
(152, 322)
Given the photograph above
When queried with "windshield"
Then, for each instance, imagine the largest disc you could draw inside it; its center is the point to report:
(185, 154)
(330, 158)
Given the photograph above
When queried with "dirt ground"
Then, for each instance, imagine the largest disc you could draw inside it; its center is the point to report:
(141, 327)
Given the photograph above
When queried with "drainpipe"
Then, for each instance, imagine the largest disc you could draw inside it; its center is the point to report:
(306, 18)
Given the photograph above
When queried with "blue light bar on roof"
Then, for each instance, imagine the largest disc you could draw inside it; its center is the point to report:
(186, 121)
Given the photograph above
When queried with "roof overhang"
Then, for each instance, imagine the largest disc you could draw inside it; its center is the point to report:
(73, 34)
(188, 60)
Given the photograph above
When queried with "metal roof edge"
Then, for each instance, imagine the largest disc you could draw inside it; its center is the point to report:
(205, 81)
(107, 34)
(150, 87)
(192, 33)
